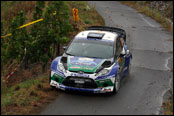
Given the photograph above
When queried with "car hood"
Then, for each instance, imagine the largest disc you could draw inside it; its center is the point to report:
(84, 64)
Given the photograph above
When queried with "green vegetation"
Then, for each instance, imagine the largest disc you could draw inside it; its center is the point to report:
(84, 11)
(142, 7)
(168, 106)
(44, 38)
(27, 91)
(26, 96)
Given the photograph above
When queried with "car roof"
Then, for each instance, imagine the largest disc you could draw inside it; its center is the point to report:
(108, 36)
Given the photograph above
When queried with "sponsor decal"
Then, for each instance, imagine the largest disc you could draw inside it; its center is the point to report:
(86, 59)
(84, 64)
(79, 75)
(81, 61)
(75, 67)
(124, 69)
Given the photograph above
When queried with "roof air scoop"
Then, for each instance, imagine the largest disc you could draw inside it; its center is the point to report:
(95, 35)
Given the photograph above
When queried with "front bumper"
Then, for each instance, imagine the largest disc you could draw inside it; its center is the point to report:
(97, 90)
(59, 80)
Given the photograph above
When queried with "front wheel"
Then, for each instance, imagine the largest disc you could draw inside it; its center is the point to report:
(117, 84)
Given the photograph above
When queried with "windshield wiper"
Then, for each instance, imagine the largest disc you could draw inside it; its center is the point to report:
(69, 54)
(92, 57)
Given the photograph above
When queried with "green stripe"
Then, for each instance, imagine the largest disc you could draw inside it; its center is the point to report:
(60, 78)
(100, 83)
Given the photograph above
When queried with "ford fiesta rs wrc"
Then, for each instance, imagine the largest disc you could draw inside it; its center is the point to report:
(95, 61)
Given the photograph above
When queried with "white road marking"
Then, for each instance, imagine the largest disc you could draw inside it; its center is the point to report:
(146, 21)
(167, 61)
(165, 91)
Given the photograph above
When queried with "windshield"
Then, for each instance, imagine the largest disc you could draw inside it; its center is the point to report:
(90, 48)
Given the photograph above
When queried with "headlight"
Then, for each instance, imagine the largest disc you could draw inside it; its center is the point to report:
(61, 67)
(102, 72)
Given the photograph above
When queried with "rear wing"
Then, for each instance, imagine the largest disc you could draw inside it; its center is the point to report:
(110, 29)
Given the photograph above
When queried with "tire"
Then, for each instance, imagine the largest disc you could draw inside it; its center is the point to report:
(117, 84)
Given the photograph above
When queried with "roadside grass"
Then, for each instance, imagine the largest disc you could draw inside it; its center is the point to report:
(26, 97)
(27, 92)
(87, 14)
(168, 106)
(165, 22)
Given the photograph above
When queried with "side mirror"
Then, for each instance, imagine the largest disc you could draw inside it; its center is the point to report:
(127, 52)
(64, 48)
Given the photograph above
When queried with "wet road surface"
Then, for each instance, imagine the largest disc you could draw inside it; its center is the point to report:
(140, 93)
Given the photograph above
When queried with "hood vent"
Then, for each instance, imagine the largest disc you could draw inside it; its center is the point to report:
(64, 61)
(104, 65)
(107, 64)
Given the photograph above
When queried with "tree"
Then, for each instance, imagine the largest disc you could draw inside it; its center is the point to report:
(36, 31)
(19, 39)
(37, 15)
(55, 28)
(45, 37)
(57, 25)
(3, 46)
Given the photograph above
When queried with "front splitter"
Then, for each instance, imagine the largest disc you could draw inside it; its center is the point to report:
(97, 90)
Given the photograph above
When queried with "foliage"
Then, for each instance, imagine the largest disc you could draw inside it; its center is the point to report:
(56, 26)
(19, 38)
(3, 51)
(51, 32)
(36, 32)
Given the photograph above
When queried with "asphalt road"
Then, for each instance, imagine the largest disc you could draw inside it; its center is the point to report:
(150, 79)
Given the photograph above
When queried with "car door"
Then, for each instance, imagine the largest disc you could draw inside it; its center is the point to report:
(120, 57)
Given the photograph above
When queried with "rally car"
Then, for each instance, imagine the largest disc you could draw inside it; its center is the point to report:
(95, 61)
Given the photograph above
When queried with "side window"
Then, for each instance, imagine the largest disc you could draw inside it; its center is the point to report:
(118, 47)
(122, 41)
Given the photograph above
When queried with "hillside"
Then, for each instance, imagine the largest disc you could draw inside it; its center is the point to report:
(27, 90)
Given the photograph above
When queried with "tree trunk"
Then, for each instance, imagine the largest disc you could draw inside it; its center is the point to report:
(44, 66)
(54, 55)
(25, 63)
(58, 50)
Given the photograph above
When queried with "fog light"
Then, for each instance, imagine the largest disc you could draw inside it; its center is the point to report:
(105, 85)
(56, 79)
(107, 90)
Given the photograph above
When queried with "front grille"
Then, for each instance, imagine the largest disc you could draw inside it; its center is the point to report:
(88, 83)
(84, 72)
